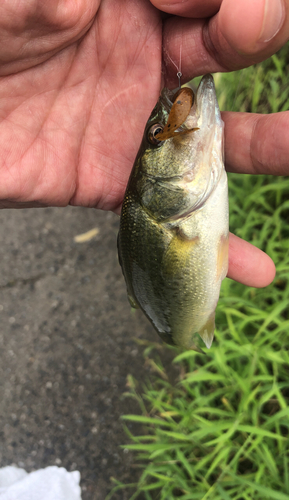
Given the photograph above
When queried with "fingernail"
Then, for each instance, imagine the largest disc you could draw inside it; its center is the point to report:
(274, 15)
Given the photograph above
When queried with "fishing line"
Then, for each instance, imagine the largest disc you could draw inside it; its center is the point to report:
(178, 68)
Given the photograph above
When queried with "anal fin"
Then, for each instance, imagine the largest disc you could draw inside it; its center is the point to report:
(207, 331)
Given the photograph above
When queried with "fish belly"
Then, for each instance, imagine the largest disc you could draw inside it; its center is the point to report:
(198, 268)
(174, 270)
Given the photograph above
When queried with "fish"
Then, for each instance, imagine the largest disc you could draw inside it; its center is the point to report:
(174, 224)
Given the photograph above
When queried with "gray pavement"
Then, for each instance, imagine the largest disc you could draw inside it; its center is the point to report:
(66, 337)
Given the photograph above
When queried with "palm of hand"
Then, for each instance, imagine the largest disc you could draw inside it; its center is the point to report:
(72, 114)
(78, 81)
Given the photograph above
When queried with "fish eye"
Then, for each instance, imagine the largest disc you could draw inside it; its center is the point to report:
(153, 131)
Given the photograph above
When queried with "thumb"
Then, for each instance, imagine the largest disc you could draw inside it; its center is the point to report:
(238, 35)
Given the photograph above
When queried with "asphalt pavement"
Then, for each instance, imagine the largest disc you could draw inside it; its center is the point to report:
(67, 345)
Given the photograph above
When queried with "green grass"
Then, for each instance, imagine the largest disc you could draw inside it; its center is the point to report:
(262, 88)
(221, 431)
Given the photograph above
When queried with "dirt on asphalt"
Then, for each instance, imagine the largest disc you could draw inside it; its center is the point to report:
(67, 345)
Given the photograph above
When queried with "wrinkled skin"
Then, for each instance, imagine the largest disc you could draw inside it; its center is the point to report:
(77, 83)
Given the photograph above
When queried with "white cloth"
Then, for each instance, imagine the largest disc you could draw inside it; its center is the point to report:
(51, 483)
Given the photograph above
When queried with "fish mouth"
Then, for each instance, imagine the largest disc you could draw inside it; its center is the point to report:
(205, 110)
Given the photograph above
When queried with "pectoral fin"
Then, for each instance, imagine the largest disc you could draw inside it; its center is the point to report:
(178, 253)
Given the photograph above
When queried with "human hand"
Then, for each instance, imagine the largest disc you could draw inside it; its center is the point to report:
(225, 35)
(78, 81)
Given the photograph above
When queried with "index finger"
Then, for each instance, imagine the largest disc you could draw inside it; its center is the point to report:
(238, 35)
(257, 144)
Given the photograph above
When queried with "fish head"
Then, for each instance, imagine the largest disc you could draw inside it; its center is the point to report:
(192, 151)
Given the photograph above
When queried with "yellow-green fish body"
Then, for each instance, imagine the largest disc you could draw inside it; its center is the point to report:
(173, 238)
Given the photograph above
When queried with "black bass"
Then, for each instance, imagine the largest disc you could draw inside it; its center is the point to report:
(174, 228)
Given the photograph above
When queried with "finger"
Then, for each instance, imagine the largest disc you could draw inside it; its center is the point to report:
(257, 144)
(240, 34)
(196, 8)
(248, 264)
